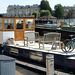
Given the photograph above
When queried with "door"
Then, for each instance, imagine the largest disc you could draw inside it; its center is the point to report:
(19, 30)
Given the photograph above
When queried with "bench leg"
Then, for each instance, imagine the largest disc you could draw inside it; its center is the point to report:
(60, 43)
(43, 45)
(24, 42)
(52, 45)
(39, 44)
(27, 43)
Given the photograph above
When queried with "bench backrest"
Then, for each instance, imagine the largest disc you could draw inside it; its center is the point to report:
(52, 36)
(31, 35)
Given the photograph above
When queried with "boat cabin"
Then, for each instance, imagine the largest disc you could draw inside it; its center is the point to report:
(15, 27)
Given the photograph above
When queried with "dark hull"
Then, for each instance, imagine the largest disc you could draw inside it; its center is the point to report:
(60, 61)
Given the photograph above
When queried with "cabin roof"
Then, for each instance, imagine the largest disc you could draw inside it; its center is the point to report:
(20, 17)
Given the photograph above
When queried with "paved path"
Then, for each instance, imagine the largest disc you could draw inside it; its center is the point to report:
(61, 73)
(22, 71)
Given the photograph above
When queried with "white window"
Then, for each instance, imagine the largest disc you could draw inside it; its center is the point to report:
(27, 11)
(0, 23)
(24, 12)
(31, 11)
(13, 13)
(16, 12)
(20, 12)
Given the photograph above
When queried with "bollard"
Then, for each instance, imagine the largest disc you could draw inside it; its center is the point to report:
(49, 64)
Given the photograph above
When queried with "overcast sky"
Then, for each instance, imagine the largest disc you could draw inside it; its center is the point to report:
(4, 3)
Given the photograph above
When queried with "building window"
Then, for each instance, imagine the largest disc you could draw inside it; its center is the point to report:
(0, 23)
(27, 12)
(13, 13)
(16, 12)
(36, 10)
(20, 12)
(29, 23)
(24, 13)
(19, 23)
(31, 11)
(8, 24)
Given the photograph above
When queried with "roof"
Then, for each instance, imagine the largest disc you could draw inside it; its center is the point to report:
(20, 17)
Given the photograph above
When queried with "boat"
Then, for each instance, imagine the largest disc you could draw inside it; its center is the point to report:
(30, 55)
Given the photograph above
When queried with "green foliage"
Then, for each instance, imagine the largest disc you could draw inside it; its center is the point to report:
(59, 11)
(69, 15)
(53, 13)
(1, 15)
(45, 13)
(37, 14)
(44, 5)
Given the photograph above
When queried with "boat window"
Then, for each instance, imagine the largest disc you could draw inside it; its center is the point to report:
(0, 23)
(19, 23)
(36, 56)
(8, 24)
(29, 23)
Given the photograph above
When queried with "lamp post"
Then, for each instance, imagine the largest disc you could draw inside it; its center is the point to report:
(47, 16)
(37, 15)
(64, 18)
(69, 20)
(69, 15)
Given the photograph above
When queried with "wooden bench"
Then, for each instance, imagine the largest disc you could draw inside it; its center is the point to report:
(30, 37)
(50, 37)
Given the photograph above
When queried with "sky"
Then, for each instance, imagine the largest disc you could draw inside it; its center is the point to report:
(4, 3)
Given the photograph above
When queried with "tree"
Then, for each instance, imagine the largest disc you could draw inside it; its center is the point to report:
(59, 11)
(1, 15)
(69, 15)
(44, 5)
(37, 14)
(45, 13)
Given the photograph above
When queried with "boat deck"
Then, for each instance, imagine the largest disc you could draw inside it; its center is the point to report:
(47, 49)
